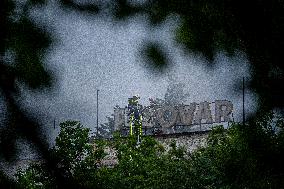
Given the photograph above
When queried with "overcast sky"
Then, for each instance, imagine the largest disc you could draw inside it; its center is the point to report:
(94, 52)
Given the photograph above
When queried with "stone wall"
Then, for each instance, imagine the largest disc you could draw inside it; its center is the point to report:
(190, 141)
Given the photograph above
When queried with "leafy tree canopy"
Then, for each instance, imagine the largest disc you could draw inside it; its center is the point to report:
(249, 156)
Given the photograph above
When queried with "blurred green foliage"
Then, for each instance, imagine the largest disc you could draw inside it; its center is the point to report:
(255, 27)
(154, 56)
(5, 181)
(22, 47)
(23, 44)
(242, 157)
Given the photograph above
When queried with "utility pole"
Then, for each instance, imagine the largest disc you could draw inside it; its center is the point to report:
(244, 119)
(97, 112)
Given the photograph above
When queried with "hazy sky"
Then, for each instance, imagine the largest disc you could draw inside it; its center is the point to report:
(94, 52)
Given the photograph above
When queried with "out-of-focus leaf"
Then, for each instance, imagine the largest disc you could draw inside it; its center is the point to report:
(89, 7)
(155, 56)
(122, 9)
(29, 42)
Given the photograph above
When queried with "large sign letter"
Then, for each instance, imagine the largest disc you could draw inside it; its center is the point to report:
(203, 112)
(186, 113)
(166, 116)
(223, 109)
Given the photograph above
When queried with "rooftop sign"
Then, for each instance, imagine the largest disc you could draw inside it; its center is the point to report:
(178, 118)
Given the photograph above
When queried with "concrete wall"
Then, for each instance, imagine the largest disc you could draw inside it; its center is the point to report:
(190, 141)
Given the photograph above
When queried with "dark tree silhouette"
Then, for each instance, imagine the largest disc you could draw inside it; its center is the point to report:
(24, 42)
(255, 27)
